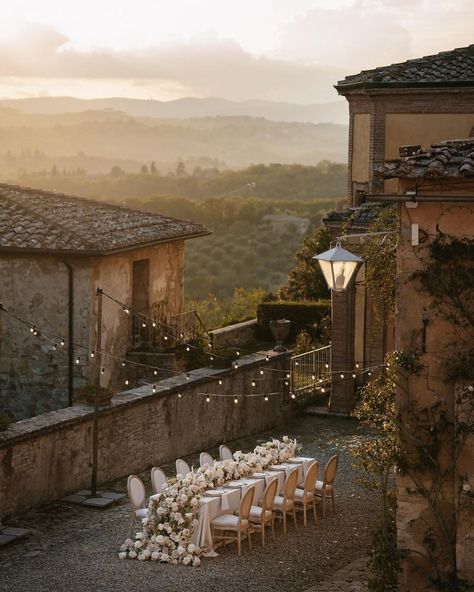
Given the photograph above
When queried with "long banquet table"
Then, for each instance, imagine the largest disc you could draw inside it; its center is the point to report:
(226, 499)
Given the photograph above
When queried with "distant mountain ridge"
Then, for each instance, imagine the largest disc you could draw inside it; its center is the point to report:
(333, 112)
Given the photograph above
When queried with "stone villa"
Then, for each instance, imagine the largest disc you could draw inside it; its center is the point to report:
(55, 250)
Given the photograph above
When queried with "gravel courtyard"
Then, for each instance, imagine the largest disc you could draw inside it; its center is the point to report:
(76, 549)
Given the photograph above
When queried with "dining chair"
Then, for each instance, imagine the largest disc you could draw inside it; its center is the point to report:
(182, 467)
(205, 459)
(158, 480)
(225, 453)
(306, 496)
(136, 495)
(285, 503)
(235, 526)
(262, 515)
(325, 488)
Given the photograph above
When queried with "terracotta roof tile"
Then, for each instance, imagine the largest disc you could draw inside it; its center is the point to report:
(31, 219)
(448, 68)
(450, 159)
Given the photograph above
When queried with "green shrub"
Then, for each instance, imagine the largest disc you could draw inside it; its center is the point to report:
(384, 560)
(304, 316)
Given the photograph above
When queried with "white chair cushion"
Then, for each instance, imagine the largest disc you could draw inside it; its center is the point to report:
(141, 513)
(299, 495)
(227, 522)
(319, 487)
(256, 514)
(281, 504)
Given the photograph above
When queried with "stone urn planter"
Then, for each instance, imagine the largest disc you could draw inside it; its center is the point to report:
(280, 330)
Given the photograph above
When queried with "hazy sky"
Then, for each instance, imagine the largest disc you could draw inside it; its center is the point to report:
(286, 50)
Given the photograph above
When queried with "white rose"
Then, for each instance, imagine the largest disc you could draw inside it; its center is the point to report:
(123, 555)
(138, 544)
(155, 555)
(132, 554)
(191, 547)
(165, 557)
(196, 561)
(187, 560)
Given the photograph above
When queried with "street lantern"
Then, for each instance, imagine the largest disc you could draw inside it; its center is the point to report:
(338, 267)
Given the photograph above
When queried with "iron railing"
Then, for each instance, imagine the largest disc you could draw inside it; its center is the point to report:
(308, 368)
(169, 331)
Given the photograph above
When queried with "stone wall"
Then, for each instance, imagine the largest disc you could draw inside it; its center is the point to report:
(34, 375)
(235, 335)
(49, 456)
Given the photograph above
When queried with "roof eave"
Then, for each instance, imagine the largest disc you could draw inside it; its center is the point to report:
(98, 253)
(343, 88)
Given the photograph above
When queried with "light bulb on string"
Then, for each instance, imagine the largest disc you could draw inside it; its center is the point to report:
(126, 381)
(180, 395)
(253, 383)
(54, 347)
(123, 363)
(78, 359)
(211, 358)
(32, 329)
(267, 358)
(144, 325)
(102, 371)
(293, 396)
(188, 348)
(187, 376)
(237, 353)
(236, 400)
(62, 342)
(326, 365)
(155, 372)
(320, 379)
(286, 383)
(165, 337)
(297, 363)
(236, 365)
(126, 310)
(208, 399)
(288, 375)
(209, 345)
(357, 364)
(313, 377)
(153, 324)
(342, 375)
(265, 398)
(261, 371)
(181, 335)
(354, 375)
(323, 390)
(154, 389)
(92, 354)
(369, 373)
(220, 381)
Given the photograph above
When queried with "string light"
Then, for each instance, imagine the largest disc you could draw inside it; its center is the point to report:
(154, 389)
(155, 372)
(326, 365)
(208, 398)
(54, 347)
(261, 371)
(236, 365)
(265, 398)
(253, 383)
(165, 337)
(293, 396)
(144, 325)
(323, 390)
(123, 363)
(357, 364)
(342, 375)
(220, 381)
(102, 371)
(313, 377)
(187, 348)
(267, 358)
(153, 324)
(187, 376)
(179, 395)
(126, 310)
(237, 353)
(354, 375)
(92, 354)
(32, 329)
(126, 381)
(236, 400)
(78, 359)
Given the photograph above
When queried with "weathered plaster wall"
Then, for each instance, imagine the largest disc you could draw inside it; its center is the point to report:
(33, 377)
(431, 386)
(424, 129)
(114, 275)
(49, 456)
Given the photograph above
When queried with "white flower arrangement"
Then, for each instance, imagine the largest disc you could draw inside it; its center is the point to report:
(172, 514)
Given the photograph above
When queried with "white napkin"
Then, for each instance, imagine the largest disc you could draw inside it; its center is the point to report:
(224, 501)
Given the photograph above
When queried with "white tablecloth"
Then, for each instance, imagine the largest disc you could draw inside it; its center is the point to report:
(210, 507)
